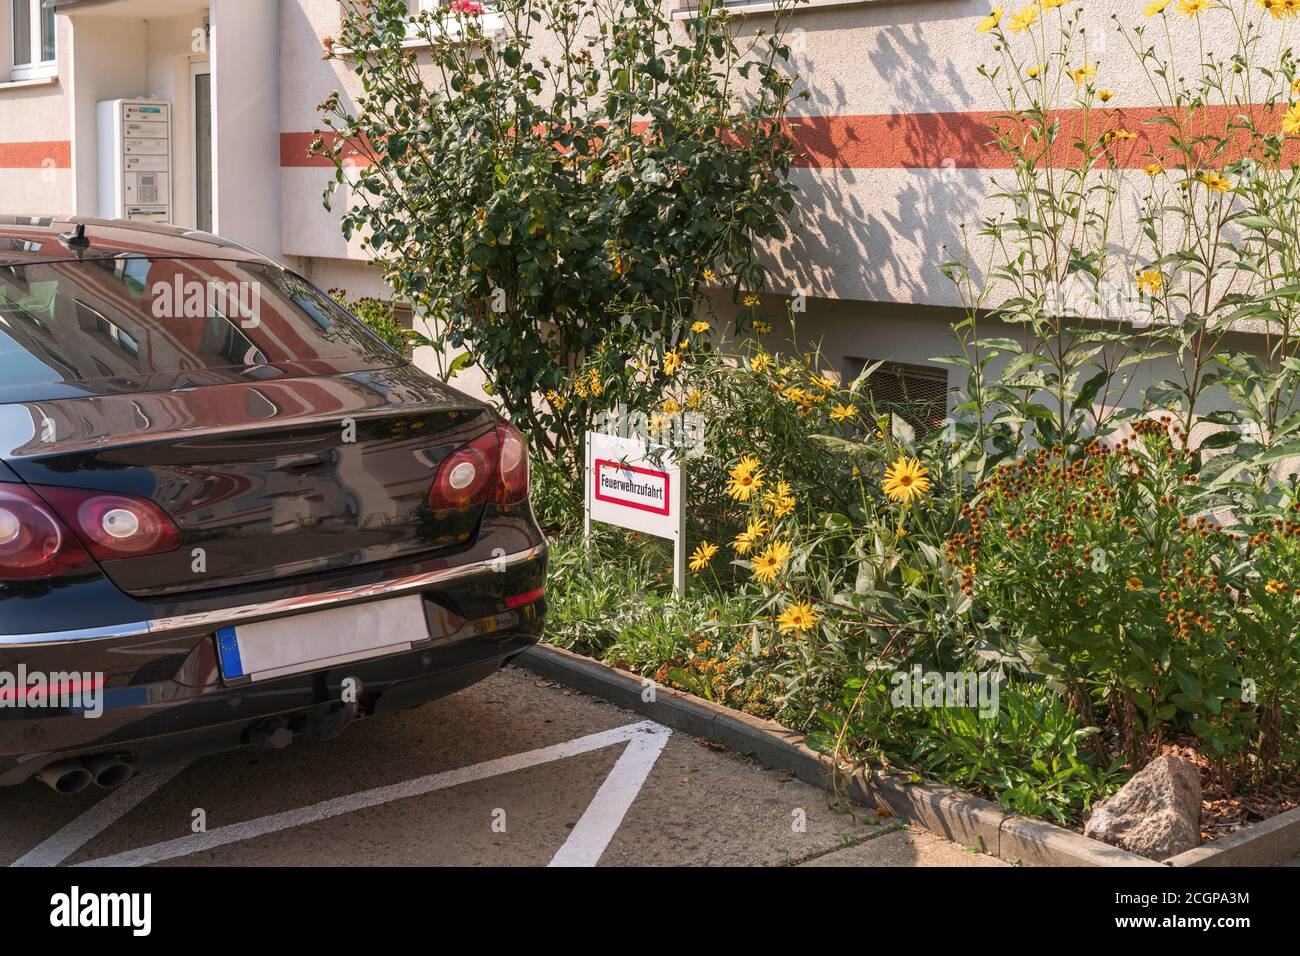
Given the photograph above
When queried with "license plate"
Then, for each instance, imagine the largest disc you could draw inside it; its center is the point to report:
(321, 639)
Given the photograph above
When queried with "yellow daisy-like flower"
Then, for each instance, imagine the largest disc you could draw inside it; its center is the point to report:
(693, 399)
(672, 362)
(991, 21)
(1153, 169)
(842, 413)
(825, 382)
(1083, 73)
(1024, 19)
(1190, 8)
(1105, 95)
(1033, 72)
(746, 479)
(1150, 281)
(702, 556)
(779, 500)
(797, 618)
(1133, 583)
(557, 400)
(708, 275)
(580, 388)
(741, 543)
(1274, 586)
(1115, 135)
(1156, 8)
(700, 327)
(1214, 181)
(594, 383)
(1291, 121)
(769, 564)
(761, 327)
(760, 363)
(751, 300)
(1276, 8)
(756, 528)
(905, 480)
(671, 406)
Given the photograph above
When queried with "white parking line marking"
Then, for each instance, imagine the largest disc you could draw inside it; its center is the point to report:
(604, 815)
(71, 837)
(637, 736)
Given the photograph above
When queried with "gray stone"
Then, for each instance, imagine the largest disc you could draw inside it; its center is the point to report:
(1156, 814)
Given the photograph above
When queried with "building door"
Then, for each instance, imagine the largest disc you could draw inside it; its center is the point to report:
(201, 79)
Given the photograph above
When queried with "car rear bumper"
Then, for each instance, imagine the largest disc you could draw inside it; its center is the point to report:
(164, 698)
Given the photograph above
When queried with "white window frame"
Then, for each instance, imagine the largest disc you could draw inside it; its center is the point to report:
(36, 68)
(492, 22)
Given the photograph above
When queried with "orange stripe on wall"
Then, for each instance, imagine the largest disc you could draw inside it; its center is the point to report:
(962, 140)
(56, 154)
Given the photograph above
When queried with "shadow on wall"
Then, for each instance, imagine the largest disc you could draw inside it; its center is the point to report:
(882, 199)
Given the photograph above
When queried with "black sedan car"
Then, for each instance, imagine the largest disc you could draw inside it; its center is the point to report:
(229, 514)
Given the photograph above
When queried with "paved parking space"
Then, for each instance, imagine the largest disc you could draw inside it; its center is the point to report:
(514, 771)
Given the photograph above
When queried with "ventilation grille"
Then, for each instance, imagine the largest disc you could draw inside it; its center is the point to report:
(916, 393)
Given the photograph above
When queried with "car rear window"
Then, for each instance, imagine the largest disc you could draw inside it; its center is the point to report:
(134, 323)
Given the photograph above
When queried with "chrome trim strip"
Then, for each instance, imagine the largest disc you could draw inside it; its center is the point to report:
(231, 615)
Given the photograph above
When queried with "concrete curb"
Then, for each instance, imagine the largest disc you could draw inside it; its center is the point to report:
(1267, 843)
(948, 812)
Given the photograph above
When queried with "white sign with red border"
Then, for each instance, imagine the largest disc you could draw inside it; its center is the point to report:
(632, 486)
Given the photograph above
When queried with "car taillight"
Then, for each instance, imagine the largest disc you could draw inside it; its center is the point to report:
(113, 526)
(34, 542)
(493, 467)
(512, 466)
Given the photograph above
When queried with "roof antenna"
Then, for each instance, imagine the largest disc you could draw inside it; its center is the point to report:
(77, 238)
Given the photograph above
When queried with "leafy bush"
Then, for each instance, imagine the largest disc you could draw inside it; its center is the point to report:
(379, 318)
(561, 190)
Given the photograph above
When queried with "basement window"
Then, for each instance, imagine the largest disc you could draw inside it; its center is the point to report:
(916, 393)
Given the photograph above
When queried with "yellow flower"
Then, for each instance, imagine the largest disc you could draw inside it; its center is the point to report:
(1023, 20)
(1274, 586)
(1291, 121)
(991, 21)
(1276, 8)
(671, 406)
(760, 363)
(1083, 72)
(768, 564)
(1133, 584)
(779, 500)
(557, 400)
(900, 533)
(1105, 95)
(693, 399)
(906, 480)
(1150, 281)
(1214, 181)
(751, 300)
(702, 555)
(842, 413)
(709, 275)
(1156, 7)
(755, 529)
(580, 388)
(700, 327)
(672, 362)
(1153, 169)
(761, 327)
(746, 478)
(1033, 71)
(798, 618)
(824, 382)
(1190, 8)
(1114, 135)
(594, 383)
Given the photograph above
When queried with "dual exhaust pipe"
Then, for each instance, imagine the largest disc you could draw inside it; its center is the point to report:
(74, 776)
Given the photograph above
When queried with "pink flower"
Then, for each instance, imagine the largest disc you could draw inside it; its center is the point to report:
(470, 8)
